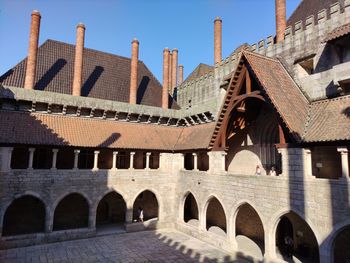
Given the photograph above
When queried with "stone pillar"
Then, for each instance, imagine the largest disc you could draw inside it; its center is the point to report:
(217, 40)
(54, 159)
(5, 158)
(96, 153)
(181, 74)
(31, 157)
(344, 162)
(33, 50)
(174, 71)
(114, 161)
(78, 61)
(202, 220)
(133, 72)
(307, 163)
(281, 22)
(76, 159)
(129, 213)
(285, 161)
(217, 161)
(165, 91)
(132, 154)
(195, 162)
(147, 160)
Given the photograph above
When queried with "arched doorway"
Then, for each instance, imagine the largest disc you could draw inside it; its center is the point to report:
(295, 239)
(191, 210)
(111, 210)
(215, 217)
(341, 252)
(25, 215)
(71, 212)
(250, 231)
(147, 201)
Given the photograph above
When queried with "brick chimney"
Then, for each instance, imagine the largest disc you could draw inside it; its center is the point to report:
(165, 92)
(174, 70)
(217, 39)
(181, 74)
(170, 71)
(281, 22)
(78, 62)
(133, 72)
(32, 50)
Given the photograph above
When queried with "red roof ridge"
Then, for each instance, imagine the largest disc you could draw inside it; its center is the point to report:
(259, 55)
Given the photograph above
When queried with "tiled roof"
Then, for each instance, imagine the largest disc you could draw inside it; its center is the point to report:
(105, 76)
(337, 33)
(199, 71)
(329, 120)
(310, 7)
(58, 130)
(281, 89)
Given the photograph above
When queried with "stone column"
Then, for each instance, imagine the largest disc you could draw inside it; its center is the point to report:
(344, 162)
(147, 160)
(76, 159)
(133, 73)
(96, 153)
(307, 163)
(132, 154)
(31, 157)
(78, 61)
(217, 161)
(33, 50)
(114, 161)
(54, 159)
(5, 158)
(195, 162)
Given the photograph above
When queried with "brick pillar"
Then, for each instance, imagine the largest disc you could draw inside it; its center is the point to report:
(76, 159)
(32, 50)
(133, 71)
(170, 71)
(344, 162)
(96, 153)
(147, 160)
(181, 74)
(54, 159)
(174, 71)
(78, 62)
(31, 157)
(165, 92)
(281, 22)
(114, 161)
(132, 154)
(217, 39)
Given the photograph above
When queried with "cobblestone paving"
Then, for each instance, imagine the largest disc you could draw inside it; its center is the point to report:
(167, 246)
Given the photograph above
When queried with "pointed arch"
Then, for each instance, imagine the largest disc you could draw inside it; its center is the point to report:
(215, 216)
(190, 208)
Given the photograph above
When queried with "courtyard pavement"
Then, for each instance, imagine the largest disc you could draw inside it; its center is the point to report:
(168, 246)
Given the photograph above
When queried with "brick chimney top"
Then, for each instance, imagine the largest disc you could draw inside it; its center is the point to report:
(217, 19)
(135, 41)
(81, 25)
(36, 13)
(175, 49)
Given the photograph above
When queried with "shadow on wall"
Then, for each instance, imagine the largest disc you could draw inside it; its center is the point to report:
(142, 89)
(110, 140)
(50, 74)
(91, 81)
(346, 112)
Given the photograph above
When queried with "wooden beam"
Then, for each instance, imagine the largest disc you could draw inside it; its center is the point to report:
(248, 82)
(281, 134)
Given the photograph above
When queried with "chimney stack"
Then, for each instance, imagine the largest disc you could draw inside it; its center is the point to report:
(174, 71)
(281, 22)
(165, 92)
(33, 50)
(181, 74)
(170, 70)
(217, 39)
(133, 72)
(78, 62)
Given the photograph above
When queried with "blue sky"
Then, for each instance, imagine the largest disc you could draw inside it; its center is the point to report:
(112, 24)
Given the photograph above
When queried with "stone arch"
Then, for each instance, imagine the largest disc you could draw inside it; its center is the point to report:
(110, 209)
(189, 206)
(305, 239)
(249, 231)
(148, 201)
(215, 216)
(71, 211)
(25, 214)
